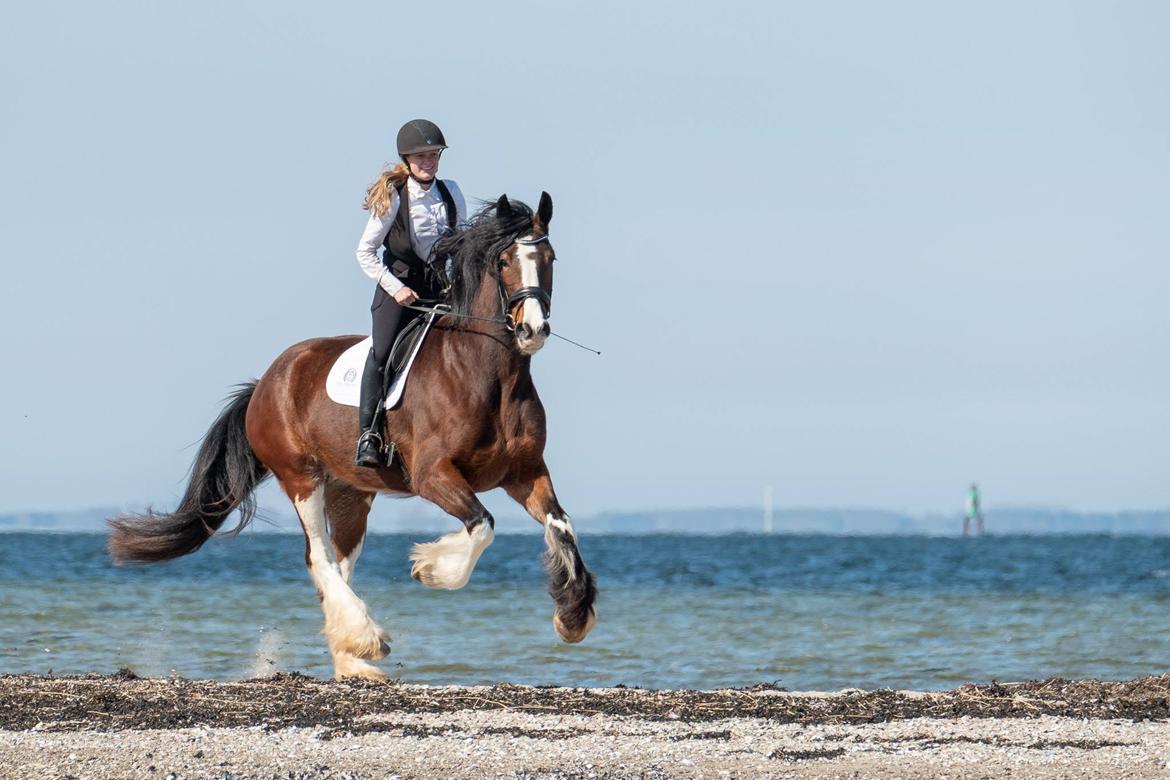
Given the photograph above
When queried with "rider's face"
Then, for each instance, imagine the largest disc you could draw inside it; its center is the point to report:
(424, 166)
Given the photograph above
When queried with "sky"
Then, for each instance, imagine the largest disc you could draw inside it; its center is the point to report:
(860, 253)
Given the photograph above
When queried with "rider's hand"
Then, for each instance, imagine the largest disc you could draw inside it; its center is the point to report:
(405, 296)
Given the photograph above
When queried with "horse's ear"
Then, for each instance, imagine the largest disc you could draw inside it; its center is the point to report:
(543, 212)
(503, 207)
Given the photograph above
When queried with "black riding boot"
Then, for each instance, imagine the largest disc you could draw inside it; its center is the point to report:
(370, 445)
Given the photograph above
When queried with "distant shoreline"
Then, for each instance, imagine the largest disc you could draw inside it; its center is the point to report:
(420, 519)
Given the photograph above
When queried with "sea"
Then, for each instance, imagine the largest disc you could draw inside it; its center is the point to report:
(813, 612)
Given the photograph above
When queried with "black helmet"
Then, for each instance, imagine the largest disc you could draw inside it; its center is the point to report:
(420, 135)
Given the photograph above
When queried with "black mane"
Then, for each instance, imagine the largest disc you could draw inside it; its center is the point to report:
(475, 248)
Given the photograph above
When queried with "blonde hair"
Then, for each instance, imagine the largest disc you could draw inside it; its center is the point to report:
(378, 194)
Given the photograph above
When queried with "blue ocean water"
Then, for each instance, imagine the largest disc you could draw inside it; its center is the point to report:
(804, 612)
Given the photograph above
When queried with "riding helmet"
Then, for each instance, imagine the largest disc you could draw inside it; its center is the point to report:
(420, 135)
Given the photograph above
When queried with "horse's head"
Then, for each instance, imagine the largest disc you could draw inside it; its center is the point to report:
(526, 277)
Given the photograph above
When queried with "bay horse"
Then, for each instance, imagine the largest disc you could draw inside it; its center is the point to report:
(470, 420)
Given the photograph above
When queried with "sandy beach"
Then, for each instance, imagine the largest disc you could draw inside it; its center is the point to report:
(293, 726)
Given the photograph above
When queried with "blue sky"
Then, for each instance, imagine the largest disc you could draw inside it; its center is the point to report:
(863, 253)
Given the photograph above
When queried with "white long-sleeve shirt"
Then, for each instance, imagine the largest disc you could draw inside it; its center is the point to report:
(428, 220)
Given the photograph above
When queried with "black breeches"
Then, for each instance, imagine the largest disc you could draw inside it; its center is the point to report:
(389, 320)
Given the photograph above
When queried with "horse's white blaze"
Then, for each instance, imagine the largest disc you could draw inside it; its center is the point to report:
(348, 625)
(448, 562)
(553, 542)
(531, 313)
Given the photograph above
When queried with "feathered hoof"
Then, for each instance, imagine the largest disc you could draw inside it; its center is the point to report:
(348, 667)
(447, 562)
(574, 635)
(424, 572)
(380, 651)
(380, 648)
(372, 643)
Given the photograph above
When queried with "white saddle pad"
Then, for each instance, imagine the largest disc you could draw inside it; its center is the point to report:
(344, 383)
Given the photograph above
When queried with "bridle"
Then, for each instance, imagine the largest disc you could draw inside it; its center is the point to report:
(508, 302)
(538, 294)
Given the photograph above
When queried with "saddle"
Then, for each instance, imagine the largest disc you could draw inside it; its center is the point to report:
(343, 384)
(405, 342)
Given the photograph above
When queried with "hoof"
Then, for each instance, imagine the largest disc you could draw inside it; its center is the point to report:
(424, 572)
(447, 562)
(380, 648)
(381, 651)
(570, 635)
(372, 643)
(348, 667)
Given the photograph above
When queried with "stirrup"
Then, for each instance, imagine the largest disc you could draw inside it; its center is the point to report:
(373, 438)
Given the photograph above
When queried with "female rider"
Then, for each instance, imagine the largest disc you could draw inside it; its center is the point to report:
(409, 210)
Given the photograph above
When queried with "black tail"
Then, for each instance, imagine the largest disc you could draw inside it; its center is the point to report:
(224, 474)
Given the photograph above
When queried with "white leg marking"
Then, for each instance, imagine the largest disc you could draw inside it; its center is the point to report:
(349, 665)
(448, 561)
(563, 523)
(347, 563)
(348, 625)
(555, 547)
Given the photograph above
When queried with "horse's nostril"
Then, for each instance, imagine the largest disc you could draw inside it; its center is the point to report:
(525, 330)
(545, 329)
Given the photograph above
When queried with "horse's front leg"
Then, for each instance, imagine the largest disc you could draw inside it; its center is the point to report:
(448, 561)
(572, 586)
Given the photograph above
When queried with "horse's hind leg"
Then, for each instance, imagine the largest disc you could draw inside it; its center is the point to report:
(351, 632)
(347, 509)
(572, 586)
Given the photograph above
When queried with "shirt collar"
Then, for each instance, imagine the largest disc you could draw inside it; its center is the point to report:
(416, 190)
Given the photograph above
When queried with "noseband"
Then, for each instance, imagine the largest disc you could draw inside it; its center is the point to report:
(538, 294)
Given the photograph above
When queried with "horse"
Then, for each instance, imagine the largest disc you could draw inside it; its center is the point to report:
(470, 420)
